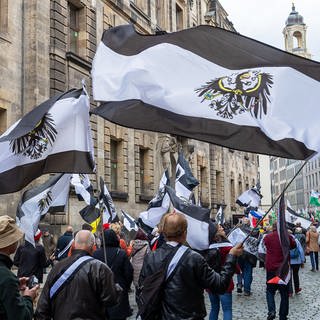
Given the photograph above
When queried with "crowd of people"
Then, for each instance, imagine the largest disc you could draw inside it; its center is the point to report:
(91, 276)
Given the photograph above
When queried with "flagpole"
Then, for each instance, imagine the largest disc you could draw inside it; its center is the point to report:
(101, 222)
(275, 201)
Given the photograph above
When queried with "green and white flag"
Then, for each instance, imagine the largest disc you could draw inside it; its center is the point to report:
(314, 198)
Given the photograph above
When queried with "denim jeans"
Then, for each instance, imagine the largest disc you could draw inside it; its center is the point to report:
(284, 294)
(226, 302)
(314, 260)
(246, 275)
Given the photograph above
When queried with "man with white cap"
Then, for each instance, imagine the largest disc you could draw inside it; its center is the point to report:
(12, 304)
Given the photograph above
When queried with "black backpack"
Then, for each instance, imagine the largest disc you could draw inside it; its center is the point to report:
(151, 290)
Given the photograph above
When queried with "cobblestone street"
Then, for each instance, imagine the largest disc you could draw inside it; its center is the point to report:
(304, 306)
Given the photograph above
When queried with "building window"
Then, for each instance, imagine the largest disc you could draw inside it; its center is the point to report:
(240, 187)
(232, 192)
(179, 18)
(143, 156)
(219, 186)
(3, 15)
(114, 145)
(3, 120)
(74, 28)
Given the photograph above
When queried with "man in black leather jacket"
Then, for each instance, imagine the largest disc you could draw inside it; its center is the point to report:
(86, 294)
(183, 294)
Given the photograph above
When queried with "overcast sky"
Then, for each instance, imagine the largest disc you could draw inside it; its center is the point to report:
(264, 20)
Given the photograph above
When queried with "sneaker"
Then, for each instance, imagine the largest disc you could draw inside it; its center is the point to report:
(271, 316)
(298, 291)
(239, 289)
(313, 270)
(247, 294)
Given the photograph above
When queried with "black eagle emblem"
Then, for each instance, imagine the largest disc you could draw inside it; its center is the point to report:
(237, 93)
(36, 142)
(45, 202)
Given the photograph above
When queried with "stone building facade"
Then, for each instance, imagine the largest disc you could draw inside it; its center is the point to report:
(47, 47)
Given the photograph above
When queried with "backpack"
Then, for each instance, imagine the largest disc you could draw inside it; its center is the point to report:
(151, 290)
(294, 253)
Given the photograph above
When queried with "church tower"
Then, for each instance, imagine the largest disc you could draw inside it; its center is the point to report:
(295, 33)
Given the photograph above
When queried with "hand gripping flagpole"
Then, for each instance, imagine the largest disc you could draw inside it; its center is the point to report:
(275, 201)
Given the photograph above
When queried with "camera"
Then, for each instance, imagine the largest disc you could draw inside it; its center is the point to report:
(32, 282)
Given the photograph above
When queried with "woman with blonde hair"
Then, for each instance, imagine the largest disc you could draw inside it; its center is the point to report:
(313, 247)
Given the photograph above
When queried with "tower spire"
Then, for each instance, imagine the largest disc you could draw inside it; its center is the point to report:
(293, 7)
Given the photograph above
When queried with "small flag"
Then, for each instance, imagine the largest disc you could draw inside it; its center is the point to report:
(283, 273)
(128, 222)
(257, 214)
(209, 84)
(51, 196)
(159, 205)
(83, 188)
(220, 216)
(314, 198)
(54, 137)
(250, 198)
(199, 233)
(91, 215)
(293, 218)
(185, 181)
(108, 207)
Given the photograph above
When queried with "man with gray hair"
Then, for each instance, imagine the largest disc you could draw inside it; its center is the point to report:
(78, 287)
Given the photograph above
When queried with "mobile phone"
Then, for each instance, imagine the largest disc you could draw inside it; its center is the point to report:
(32, 282)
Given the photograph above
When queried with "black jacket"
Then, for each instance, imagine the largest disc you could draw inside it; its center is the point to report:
(63, 241)
(86, 296)
(31, 260)
(119, 263)
(183, 294)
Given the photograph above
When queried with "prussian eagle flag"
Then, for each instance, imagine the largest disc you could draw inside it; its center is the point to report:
(250, 198)
(109, 212)
(209, 84)
(51, 196)
(159, 205)
(185, 180)
(200, 228)
(83, 188)
(293, 218)
(52, 138)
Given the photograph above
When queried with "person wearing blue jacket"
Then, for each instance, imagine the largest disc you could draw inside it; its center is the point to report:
(296, 261)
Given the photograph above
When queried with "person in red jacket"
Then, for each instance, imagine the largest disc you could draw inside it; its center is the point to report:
(274, 259)
(223, 246)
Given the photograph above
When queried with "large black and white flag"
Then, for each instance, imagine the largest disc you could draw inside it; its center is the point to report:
(53, 138)
(83, 188)
(159, 205)
(209, 84)
(200, 231)
(185, 181)
(250, 198)
(51, 196)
